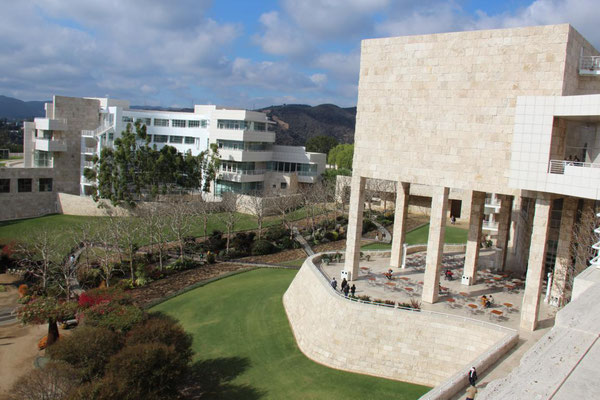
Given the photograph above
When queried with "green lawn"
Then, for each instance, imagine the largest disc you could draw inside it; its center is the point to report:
(421, 234)
(242, 339)
(294, 263)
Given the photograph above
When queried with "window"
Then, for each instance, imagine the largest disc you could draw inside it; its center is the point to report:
(204, 123)
(193, 124)
(145, 121)
(4, 185)
(42, 159)
(284, 185)
(111, 135)
(175, 139)
(260, 126)
(45, 185)
(161, 138)
(127, 119)
(178, 123)
(232, 124)
(24, 185)
(161, 122)
(190, 140)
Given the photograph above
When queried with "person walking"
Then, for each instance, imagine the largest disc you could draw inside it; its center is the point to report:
(334, 283)
(346, 289)
(344, 284)
(353, 290)
(472, 376)
(471, 392)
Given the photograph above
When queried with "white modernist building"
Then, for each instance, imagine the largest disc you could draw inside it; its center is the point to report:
(251, 162)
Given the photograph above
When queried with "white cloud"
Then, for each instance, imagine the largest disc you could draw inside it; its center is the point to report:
(319, 79)
(280, 37)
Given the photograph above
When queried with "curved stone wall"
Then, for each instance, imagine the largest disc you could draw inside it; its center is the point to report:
(419, 347)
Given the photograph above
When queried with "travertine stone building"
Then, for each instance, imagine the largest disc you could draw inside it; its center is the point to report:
(512, 112)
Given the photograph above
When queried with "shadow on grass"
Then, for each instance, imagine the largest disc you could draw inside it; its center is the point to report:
(211, 379)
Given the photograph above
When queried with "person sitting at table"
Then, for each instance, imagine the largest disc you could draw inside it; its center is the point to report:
(388, 274)
(490, 300)
(448, 275)
(485, 302)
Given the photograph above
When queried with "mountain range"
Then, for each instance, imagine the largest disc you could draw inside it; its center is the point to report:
(295, 122)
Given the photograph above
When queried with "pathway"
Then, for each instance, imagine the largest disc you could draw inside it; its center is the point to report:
(386, 236)
(300, 239)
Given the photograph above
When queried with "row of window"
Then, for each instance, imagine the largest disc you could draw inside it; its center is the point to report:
(172, 139)
(236, 187)
(175, 123)
(239, 145)
(241, 125)
(25, 185)
(281, 166)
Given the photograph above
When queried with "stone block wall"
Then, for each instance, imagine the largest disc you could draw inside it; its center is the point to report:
(17, 205)
(418, 347)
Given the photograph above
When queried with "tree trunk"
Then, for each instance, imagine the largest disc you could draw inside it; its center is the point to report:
(260, 222)
(205, 224)
(52, 332)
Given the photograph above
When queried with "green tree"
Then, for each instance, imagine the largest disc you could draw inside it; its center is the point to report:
(321, 144)
(341, 156)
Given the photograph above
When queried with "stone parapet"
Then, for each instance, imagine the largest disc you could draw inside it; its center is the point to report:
(420, 347)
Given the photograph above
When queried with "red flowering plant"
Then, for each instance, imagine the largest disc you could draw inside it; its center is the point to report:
(45, 309)
(110, 308)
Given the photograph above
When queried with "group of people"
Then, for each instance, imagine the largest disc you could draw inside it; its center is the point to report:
(345, 287)
(448, 275)
(572, 160)
(487, 301)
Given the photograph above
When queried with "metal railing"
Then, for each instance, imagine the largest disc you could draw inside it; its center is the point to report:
(88, 164)
(589, 63)
(245, 172)
(558, 166)
(90, 150)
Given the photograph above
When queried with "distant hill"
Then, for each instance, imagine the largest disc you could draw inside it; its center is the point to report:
(298, 122)
(12, 108)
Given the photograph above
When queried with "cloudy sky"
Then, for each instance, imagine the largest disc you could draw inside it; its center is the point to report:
(231, 52)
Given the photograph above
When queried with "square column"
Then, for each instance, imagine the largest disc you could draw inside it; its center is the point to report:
(536, 264)
(563, 251)
(503, 229)
(355, 220)
(435, 244)
(474, 236)
(400, 216)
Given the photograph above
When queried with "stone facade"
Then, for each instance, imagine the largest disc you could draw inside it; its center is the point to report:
(418, 347)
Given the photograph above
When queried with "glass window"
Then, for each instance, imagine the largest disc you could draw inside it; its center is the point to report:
(111, 135)
(284, 185)
(161, 138)
(45, 185)
(190, 140)
(178, 123)
(145, 121)
(161, 122)
(4, 185)
(260, 126)
(193, 124)
(175, 139)
(24, 185)
(127, 119)
(233, 124)
(204, 123)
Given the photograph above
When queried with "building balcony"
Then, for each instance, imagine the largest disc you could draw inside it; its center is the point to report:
(490, 226)
(589, 65)
(50, 145)
(87, 182)
(256, 175)
(307, 176)
(89, 150)
(245, 155)
(50, 124)
(243, 135)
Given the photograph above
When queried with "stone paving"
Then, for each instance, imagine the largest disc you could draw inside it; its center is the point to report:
(455, 298)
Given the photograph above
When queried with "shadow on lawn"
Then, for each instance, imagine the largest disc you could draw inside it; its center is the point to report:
(210, 379)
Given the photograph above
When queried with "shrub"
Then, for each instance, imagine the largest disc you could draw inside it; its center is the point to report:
(210, 258)
(102, 296)
(166, 330)
(242, 242)
(287, 243)
(183, 264)
(274, 233)
(368, 226)
(332, 236)
(146, 369)
(262, 247)
(23, 289)
(364, 297)
(53, 381)
(2, 288)
(114, 316)
(87, 349)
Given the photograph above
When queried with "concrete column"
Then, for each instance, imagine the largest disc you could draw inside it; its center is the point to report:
(563, 250)
(503, 229)
(355, 219)
(435, 244)
(400, 216)
(513, 225)
(474, 236)
(535, 264)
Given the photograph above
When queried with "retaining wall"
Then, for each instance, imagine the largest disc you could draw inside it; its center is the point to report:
(420, 347)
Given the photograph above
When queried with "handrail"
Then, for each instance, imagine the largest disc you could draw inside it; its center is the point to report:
(245, 172)
(590, 63)
(558, 166)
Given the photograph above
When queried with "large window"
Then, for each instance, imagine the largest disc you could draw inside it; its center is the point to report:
(190, 140)
(178, 123)
(4, 185)
(42, 159)
(175, 139)
(161, 122)
(145, 121)
(127, 119)
(193, 124)
(233, 124)
(24, 185)
(161, 138)
(260, 126)
(45, 185)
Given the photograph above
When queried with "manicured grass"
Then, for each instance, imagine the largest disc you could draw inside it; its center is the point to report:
(294, 263)
(421, 234)
(242, 335)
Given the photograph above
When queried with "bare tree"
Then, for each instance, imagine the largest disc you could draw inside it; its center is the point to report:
(179, 214)
(105, 254)
(155, 226)
(229, 214)
(128, 238)
(41, 255)
(203, 209)
(257, 205)
(283, 205)
(54, 381)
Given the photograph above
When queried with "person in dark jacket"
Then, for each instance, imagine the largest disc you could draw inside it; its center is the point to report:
(472, 376)
(344, 284)
(353, 289)
(334, 283)
(346, 290)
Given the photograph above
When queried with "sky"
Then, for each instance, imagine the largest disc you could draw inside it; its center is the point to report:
(236, 53)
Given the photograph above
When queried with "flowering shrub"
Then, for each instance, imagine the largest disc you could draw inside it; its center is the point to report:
(103, 296)
(23, 290)
(114, 316)
(40, 310)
